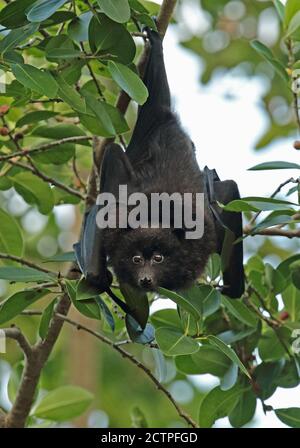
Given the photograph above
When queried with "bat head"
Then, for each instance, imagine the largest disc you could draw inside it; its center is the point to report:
(148, 258)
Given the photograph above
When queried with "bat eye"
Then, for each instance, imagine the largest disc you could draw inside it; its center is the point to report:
(137, 259)
(158, 258)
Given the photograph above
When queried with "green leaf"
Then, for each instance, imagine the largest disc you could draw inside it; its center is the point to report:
(138, 419)
(16, 37)
(173, 343)
(191, 306)
(240, 311)
(34, 191)
(230, 337)
(276, 218)
(24, 274)
(100, 110)
(291, 8)
(270, 348)
(293, 25)
(11, 240)
(275, 166)
(63, 403)
(230, 378)
(218, 404)
(214, 266)
(63, 53)
(69, 95)
(13, 14)
(166, 318)
(204, 298)
(244, 410)
(228, 352)
(66, 257)
(257, 204)
(46, 319)
(59, 131)
(207, 359)
(266, 53)
(266, 375)
(37, 80)
(289, 416)
(78, 29)
(128, 81)
(85, 291)
(104, 33)
(88, 308)
(117, 10)
(56, 155)
(42, 9)
(34, 117)
(18, 302)
(291, 300)
(280, 9)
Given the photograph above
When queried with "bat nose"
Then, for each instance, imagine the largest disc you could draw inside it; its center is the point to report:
(146, 282)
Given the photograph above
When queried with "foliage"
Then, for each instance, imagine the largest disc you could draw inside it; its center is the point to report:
(64, 64)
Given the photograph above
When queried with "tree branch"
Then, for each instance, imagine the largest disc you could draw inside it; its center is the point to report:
(26, 263)
(34, 170)
(16, 334)
(24, 152)
(276, 231)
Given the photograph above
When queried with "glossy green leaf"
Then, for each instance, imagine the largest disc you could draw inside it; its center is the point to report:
(117, 10)
(228, 352)
(275, 166)
(11, 240)
(88, 308)
(174, 343)
(69, 95)
(128, 81)
(24, 274)
(46, 319)
(42, 9)
(35, 79)
(217, 404)
(34, 191)
(78, 29)
(16, 37)
(18, 302)
(240, 311)
(13, 14)
(62, 404)
(289, 416)
(207, 359)
(244, 410)
(34, 117)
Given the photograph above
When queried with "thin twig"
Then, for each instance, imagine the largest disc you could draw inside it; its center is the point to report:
(26, 263)
(45, 147)
(16, 334)
(34, 170)
(278, 189)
